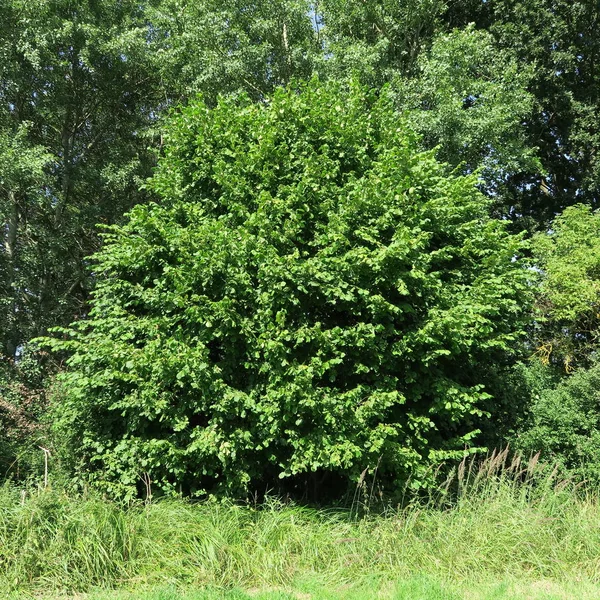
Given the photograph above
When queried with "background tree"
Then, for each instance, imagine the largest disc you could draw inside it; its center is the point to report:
(556, 42)
(75, 102)
(83, 88)
(463, 91)
(22, 175)
(376, 40)
(559, 39)
(568, 305)
(221, 47)
(468, 100)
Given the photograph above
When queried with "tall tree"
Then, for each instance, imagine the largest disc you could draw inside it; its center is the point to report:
(469, 100)
(555, 41)
(559, 38)
(377, 39)
(224, 46)
(465, 94)
(77, 95)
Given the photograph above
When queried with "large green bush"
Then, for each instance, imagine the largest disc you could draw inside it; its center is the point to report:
(312, 296)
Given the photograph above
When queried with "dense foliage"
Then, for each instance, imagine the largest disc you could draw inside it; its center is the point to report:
(564, 425)
(555, 40)
(75, 96)
(568, 304)
(559, 39)
(312, 296)
(469, 102)
(504, 92)
(23, 403)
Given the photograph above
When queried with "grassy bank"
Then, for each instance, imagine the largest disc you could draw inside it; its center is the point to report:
(500, 536)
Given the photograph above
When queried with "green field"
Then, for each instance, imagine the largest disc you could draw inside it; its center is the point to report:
(499, 539)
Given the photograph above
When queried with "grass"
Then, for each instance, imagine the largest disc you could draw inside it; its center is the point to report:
(505, 537)
(416, 588)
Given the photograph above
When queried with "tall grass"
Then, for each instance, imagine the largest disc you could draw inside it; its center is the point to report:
(504, 520)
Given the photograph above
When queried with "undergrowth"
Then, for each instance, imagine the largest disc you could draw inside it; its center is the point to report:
(488, 521)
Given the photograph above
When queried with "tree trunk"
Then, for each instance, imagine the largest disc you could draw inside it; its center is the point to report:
(10, 244)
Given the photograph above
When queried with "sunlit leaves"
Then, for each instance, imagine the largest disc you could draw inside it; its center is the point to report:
(568, 305)
(312, 295)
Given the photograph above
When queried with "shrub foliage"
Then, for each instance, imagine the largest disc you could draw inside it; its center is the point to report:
(568, 301)
(564, 424)
(313, 296)
(23, 402)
